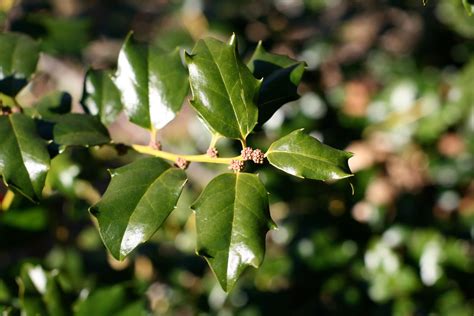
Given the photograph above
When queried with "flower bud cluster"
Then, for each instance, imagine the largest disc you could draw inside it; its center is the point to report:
(181, 163)
(236, 165)
(256, 155)
(212, 152)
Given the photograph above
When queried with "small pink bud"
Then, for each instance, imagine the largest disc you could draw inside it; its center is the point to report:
(212, 152)
(236, 165)
(258, 156)
(181, 163)
(246, 153)
(155, 144)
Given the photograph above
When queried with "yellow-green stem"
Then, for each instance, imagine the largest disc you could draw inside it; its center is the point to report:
(215, 138)
(7, 200)
(172, 157)
(153, 135)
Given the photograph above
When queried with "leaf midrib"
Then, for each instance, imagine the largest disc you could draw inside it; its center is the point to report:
(242, 92)
(138, 202)
(225, 85)
(300, 154)
(232, 227)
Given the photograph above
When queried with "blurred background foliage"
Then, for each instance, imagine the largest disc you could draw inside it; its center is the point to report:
(390, 81)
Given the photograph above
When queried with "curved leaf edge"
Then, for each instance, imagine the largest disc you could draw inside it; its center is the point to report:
(206, 256)
(347, 153)
(93, 212)
(188, 56)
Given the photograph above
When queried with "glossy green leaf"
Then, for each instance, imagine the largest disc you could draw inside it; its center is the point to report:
(80, 130)
(224, 90)
(139, 198)
(101, 97)
(18, 55)
(152, 85)
(62, 35)
(232, 218)
(40, 293)
(281, 77)
(63, 175)
(18, 58)
(304, 156)
(24, 158)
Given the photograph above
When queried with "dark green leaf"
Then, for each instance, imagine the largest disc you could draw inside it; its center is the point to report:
(62, 35)
(18, 55)
(51, 106)
(30, 219)
(152, 85)
(18, 58)
(139, 198)
(101, 97)
(113, 300)
(232, 218)
(281, 76)
(224, 90)
(24, 159)
(304, 156)
(80, 130)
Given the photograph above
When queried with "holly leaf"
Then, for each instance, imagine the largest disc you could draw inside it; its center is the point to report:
(152, 85)
(139, 198)
(304, 156)
(281, 77)
(24, 158)
(40, 293)
(232, 218)
(224, 90)
(74, 129)
(101, 97)
(18, 58)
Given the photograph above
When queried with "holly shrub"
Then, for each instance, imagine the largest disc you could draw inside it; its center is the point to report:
(328, 145)
(231, 97)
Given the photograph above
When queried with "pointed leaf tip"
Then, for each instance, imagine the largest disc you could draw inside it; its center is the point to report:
(232, 40)
(188, 55)
(281, 77)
